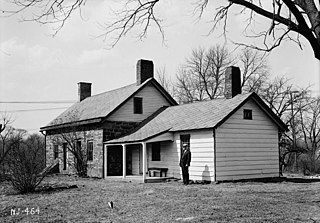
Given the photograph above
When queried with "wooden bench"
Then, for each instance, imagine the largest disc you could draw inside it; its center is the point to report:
(157, 169)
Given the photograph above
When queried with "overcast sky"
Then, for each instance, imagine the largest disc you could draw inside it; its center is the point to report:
(34, 66)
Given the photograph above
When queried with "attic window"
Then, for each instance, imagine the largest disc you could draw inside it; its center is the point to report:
(137, 105)
(247, 114)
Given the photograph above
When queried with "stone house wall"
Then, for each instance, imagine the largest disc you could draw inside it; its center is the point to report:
(96, 134)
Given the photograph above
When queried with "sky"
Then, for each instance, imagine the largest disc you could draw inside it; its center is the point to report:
(37, 67)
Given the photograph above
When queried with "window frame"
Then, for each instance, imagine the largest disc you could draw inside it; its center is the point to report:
(55, 151)
(155, 151)
(137, 105)
(78, 144)
(90, 151)
(65, 155)
(247, 114)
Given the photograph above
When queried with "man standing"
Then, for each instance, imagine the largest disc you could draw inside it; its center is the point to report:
(185, 163)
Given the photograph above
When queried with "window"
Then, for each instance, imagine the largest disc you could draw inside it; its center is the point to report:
(156, 151)
(184, 139)
(55, 151)
(137, 105)
(65, 156)
(247, 114)
(78, 145)
(90, 150)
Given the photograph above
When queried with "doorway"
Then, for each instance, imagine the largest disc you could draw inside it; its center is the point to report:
(114, 161)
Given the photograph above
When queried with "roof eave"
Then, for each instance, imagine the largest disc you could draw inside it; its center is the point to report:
(71, 124)
(135, 141)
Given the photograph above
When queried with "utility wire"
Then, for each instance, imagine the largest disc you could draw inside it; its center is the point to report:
(37, 109)
(36, 102)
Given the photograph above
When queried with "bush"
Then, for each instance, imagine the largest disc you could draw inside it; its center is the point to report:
(305, 165)
(25, 163)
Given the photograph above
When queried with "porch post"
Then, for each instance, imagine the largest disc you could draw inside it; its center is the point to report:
(105, 162)
(144, 161)
(124, 159)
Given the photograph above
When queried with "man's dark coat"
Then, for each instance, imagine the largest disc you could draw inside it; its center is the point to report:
(185, 159)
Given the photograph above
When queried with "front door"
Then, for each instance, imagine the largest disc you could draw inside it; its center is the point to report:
(114, 161)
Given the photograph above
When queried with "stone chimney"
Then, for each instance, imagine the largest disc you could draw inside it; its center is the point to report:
(144, 70)
(84, 90)
(232, 82)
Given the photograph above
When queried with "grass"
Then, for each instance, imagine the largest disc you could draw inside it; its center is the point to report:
(164, 202)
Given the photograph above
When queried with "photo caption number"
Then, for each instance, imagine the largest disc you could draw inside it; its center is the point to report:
(26, 211)
(35, 211)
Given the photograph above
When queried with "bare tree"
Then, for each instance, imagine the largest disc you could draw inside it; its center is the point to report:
(289, 20)
(165, 81)
(276, 94)
(309, 123)
(71, 137)
(280, 96)
(254, 69)
(6, 131)
(202, 75)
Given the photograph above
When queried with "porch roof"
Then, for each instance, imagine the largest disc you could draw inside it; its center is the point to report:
(199, 115)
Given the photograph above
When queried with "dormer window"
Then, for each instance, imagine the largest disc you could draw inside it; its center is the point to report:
(137, 105)
(247, 114)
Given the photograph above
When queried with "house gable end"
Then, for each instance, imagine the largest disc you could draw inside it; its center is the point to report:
(263, 107)
(153, 97)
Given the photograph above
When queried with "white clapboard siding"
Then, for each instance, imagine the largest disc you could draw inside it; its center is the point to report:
(152, 100)
(245, 158)
(246, 175)
(169, 158)
(247, 148)
(238, 172)
(252, 131)
(202, 154)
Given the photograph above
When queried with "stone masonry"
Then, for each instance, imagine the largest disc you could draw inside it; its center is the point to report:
(97, 134)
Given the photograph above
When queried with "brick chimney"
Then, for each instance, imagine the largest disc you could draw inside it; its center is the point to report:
(232, 82)
(84, 90)
(144, 70)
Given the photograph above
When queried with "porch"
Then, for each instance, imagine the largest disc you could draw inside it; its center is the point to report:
(139, 179)
(144, 161)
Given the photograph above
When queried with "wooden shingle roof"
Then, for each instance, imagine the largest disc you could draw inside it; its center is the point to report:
(200, 115)
(93, 109)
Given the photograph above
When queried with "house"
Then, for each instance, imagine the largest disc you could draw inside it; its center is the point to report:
(140, 126)
(105, 116)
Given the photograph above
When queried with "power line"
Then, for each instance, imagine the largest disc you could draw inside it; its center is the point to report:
(37, 109)
(36, 102)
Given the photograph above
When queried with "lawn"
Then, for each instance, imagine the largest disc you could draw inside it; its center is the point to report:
(163, 202)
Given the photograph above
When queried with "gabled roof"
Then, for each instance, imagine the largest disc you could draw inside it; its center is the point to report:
(97, 107)
(200, 115)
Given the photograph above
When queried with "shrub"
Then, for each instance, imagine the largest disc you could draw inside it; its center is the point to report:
(25, 163)
(306, 166)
